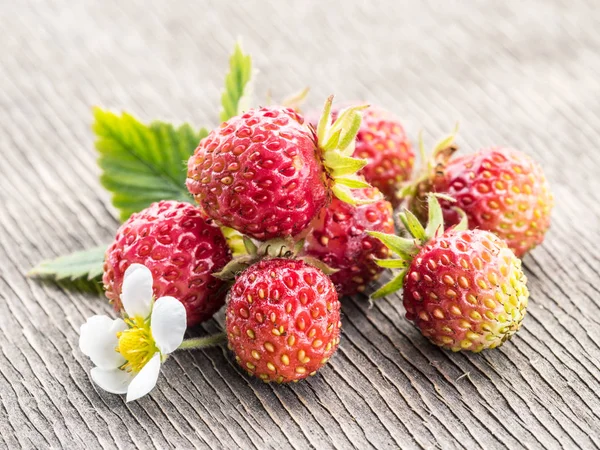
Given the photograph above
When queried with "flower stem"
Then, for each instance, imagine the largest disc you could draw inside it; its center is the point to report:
(203, 342)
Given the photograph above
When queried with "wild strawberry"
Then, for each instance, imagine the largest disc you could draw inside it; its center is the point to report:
(382, 141)
(182, 250)
(283, 319)
(266, 174)
(464, 289)
(339, 238)
(501, 190)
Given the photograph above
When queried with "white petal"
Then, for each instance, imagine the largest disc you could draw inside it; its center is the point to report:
(136, 295)
(98, 340)
(115, 381)
(145, 380)
(168, 324)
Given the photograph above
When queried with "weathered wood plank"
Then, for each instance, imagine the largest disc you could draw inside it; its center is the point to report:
(512, 73)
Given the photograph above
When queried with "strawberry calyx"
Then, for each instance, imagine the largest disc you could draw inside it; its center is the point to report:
(336, 141)
(433, 166)
(275, 248)
(407, 248)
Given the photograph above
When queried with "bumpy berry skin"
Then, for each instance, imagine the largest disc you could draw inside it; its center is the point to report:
(283, 320)
(465, 290)
(260, 173)
(339, 239)
(502, 190)
(180, 247)
(382, 141)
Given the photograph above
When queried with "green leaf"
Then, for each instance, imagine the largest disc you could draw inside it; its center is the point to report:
(401, 246)
(238, 84)
(86, 264)
(142, 164)
(391, 287)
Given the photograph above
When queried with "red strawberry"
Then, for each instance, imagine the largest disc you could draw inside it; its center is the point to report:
(464, 289)
(283, 319)
(339, 239)
(501, 190)
(267, 175)
(180, 247)
(382, 141)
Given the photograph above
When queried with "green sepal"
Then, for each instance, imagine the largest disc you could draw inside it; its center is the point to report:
(234, 267)
(298, 246)
(441, 196)
(391, 263)
(402, 247)
(296, 100)
(332, 142)
(413, 225)
(391, 287)
(344, 193)
(325, 119)
(430, 165)
(249, 245)
(353, 182)
(341, 165)
(350, 134)
(463, 225)
(446, 142)
(348, 122)
(312, 261)
(435, 224)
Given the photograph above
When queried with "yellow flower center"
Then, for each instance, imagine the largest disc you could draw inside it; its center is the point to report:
(136, 344)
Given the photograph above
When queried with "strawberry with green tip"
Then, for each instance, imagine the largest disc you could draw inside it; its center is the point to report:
(267, 175)
(464, 289)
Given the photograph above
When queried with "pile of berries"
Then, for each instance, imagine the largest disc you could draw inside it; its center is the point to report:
(314, 203)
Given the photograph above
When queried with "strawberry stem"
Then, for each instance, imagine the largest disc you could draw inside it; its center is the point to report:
(203, 342)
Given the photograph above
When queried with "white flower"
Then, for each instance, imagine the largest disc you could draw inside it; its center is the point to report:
(128, 353)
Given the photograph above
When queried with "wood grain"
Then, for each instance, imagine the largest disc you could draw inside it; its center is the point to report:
(518, 73)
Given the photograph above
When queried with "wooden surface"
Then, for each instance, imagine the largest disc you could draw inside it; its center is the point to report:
(521, 73)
